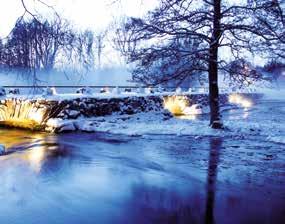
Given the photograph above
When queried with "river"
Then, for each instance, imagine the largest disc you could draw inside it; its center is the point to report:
(105, 178)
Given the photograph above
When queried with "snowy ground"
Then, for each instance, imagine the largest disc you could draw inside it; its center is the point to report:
(264, 119)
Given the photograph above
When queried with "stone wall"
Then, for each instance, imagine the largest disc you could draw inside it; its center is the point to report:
(35, 113)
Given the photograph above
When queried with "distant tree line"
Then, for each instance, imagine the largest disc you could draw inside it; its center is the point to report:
(36, 45)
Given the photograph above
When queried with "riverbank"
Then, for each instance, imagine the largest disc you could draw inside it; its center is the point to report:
(61, 113)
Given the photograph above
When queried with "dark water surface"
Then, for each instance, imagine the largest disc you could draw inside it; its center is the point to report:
(103, 178)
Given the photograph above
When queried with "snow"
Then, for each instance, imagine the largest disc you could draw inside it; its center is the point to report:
(156, 123)
(264, 120)
(60, 125)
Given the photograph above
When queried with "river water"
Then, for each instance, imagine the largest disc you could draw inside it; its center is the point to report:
(105, 178)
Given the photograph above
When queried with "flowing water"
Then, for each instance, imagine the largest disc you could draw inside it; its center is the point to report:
(104, 178)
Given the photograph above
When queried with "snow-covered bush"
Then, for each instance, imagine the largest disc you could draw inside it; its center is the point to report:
(2, 91)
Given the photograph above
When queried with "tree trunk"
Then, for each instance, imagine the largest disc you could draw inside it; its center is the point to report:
(215, 121)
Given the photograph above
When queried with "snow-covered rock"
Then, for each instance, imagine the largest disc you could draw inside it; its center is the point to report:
(58, 125)
(87, 126)
(72, 114)
(2, 149)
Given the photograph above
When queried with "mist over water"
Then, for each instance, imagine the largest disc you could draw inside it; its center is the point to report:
(106, 76)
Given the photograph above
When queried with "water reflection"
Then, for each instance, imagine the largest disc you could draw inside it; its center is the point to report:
(215, 147)
(36, 150)
(87, 178)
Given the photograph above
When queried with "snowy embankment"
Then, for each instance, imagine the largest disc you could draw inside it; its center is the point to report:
(142, 114)
(263, 120)
(159, 121)
(152, 123)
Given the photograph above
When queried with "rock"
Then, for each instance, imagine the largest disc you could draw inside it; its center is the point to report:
(86, 127)
(66, 127)
(2, 149)
(58, 125)
(72, 114)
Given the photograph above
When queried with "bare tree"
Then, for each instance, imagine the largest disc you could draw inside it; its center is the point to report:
(42, 45)
(241, 27)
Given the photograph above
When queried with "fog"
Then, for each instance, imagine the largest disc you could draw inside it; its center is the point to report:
(116, 76)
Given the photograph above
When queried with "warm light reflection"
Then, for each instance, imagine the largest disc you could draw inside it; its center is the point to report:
(36, 157)
(240, 100)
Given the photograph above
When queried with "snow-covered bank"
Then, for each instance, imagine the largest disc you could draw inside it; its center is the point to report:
(153, 123)
(125, 113)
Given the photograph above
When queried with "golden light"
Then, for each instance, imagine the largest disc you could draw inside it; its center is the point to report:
(179, 105)
(175, 104)
(240, 100)
(36, 116)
